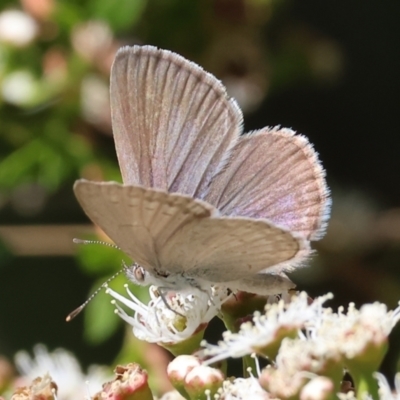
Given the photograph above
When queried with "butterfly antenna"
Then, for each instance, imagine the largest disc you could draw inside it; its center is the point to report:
(83, 241)
(74, 313)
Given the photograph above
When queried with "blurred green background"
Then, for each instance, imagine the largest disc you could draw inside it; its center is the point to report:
(328, 69)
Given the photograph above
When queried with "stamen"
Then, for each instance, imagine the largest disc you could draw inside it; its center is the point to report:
(257, 363)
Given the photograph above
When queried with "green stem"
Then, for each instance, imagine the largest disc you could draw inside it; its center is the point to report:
(365, 384)
(249, 362)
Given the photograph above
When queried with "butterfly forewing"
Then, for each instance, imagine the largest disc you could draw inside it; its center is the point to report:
(175, 233)
(274, 174)
(172, 121)
(139, 220)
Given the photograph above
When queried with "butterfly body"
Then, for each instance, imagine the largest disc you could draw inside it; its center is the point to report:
(162, 279)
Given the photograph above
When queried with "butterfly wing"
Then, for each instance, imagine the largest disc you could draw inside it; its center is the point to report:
(263, 284)
(137, 219)
(177, 234)
(274, 174)
(173, 122)
(222, 249)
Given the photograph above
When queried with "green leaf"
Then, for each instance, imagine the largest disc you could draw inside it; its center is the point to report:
(100, 319)
(119, 14)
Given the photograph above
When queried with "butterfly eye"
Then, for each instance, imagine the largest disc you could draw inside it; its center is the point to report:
(139, 273)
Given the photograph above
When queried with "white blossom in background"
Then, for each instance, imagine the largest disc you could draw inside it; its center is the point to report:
(91, 39)
(172, 395)
(242, 389)
(355, 329)
(385, 391)
(158, 322)
(95, 100)
(64, 369)
(297, 362)
(17, 28)
(19, 88)
(351, 396)
(318, 388)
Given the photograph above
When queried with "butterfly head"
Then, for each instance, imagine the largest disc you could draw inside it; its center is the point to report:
(136, 274)
(140, 276)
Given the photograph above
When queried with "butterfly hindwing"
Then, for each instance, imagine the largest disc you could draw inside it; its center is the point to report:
(274, 174)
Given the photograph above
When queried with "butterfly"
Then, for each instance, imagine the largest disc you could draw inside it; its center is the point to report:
(202, 203)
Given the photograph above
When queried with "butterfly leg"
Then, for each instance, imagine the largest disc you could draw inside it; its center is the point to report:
(162, 291)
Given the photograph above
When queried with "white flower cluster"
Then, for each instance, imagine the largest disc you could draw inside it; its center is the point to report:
(170, 318)
(321, 329)
(308, 345)
(264, 329)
